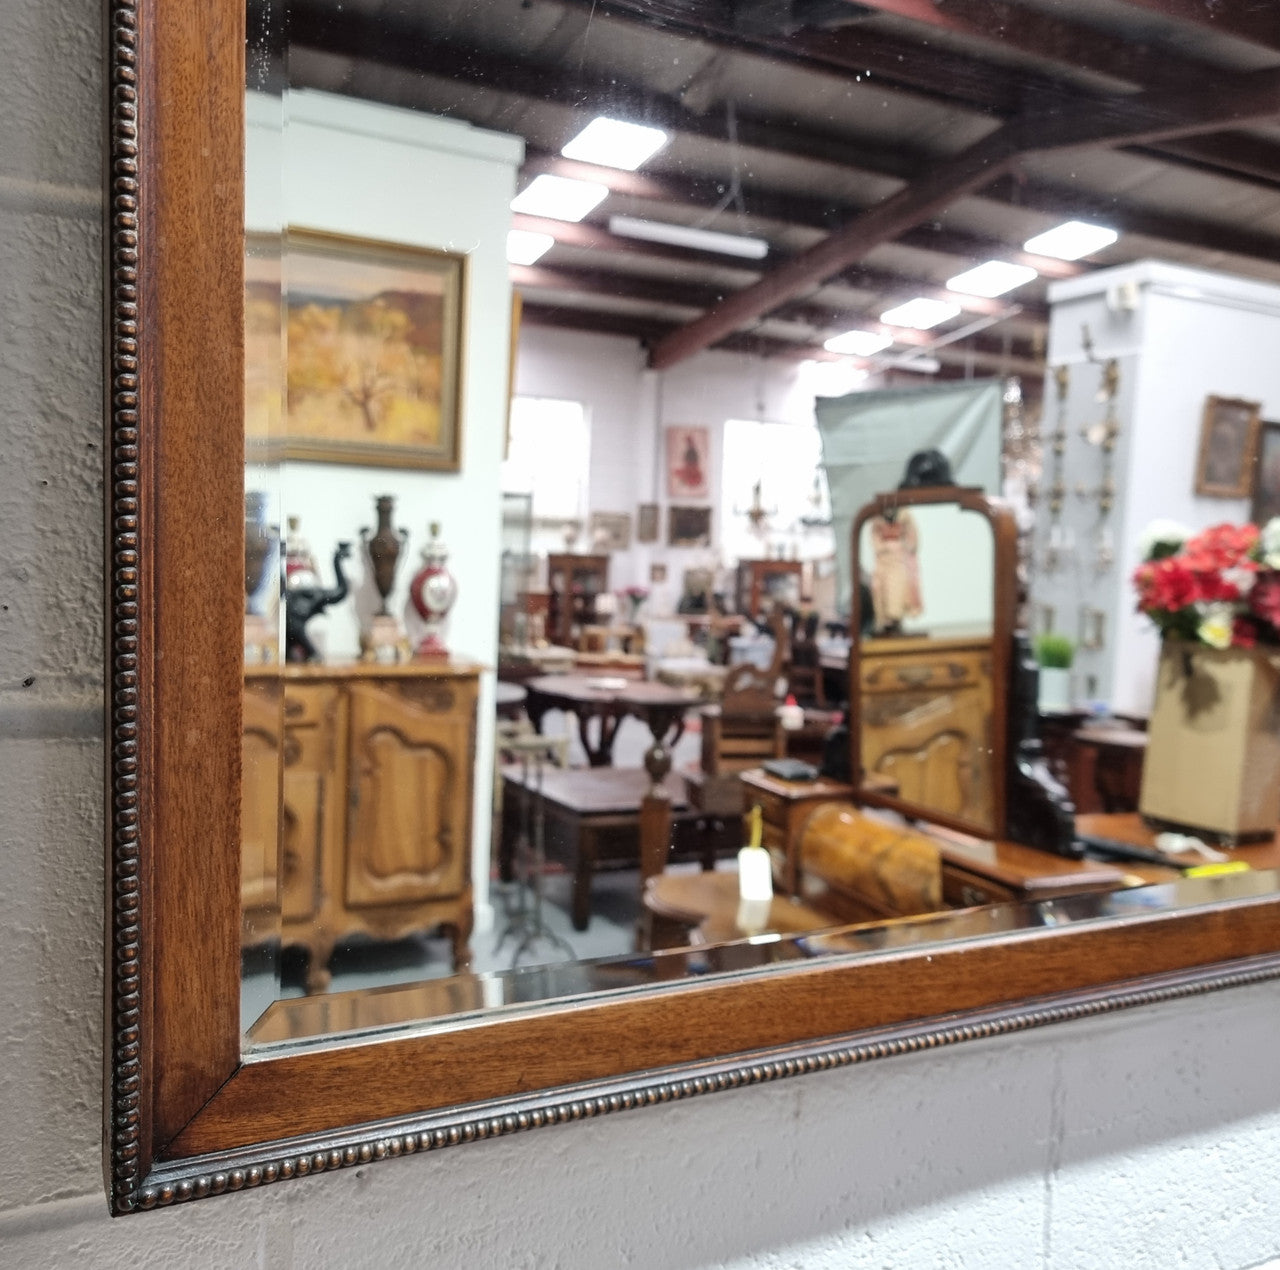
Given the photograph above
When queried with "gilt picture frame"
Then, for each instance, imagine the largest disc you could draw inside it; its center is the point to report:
(1228, 445)
(688, 526)
(1266, 475)
(374, 352)
(610, 531)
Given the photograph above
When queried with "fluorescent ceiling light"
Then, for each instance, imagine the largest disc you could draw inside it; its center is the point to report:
(683, 236)
(833, 379)
(920, 313)
(991, 279)
(523, 247)
(1071, 240)
(615, 144)
(857, 343)
(559, 198)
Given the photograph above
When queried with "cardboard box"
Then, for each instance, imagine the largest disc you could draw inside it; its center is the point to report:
(1213, 752)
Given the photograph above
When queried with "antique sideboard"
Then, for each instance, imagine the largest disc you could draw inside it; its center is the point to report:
(369, 771)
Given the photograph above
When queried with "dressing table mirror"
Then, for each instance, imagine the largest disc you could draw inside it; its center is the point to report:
(931, 675)
(211, 1089)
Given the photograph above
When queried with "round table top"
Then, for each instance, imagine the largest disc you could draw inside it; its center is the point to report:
(708, 902)
(508, 696)
(586, 689)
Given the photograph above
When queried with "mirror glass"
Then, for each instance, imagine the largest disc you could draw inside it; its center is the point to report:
(925, 691)
(540, 296)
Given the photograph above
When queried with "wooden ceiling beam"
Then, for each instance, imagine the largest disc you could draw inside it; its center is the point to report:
(969, 81)
(821, 313)
(396, 48)
(1007, 26)
(1257, 21)
(1144, 117)
(983, 351)
(931, 193)
(806, 213)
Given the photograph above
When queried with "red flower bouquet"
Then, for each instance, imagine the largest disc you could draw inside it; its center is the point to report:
(1220, 587)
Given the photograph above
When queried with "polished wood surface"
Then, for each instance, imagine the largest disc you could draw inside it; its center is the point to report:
(573, 582)
(706, 907)
(376, 811)
(759, 582)
(926, 723)
(605, 702)
(987, 696)
(595, 816)
(185, 1116)
(784, 807)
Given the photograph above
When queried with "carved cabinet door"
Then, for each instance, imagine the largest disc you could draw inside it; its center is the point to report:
(409, 818)
(259, 798)
(311, 796)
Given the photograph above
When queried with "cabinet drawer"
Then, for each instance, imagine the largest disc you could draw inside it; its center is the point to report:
(772, 808)
(962, 889)
(925, 671)
(306, 704)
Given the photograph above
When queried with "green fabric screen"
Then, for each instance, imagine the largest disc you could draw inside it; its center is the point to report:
(867, 438)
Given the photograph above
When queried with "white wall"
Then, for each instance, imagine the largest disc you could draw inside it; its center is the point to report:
(1147, 1140)
(1189, 334)
(376, 172)
(630, 407)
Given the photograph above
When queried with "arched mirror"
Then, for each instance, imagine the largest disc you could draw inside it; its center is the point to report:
(932, 654)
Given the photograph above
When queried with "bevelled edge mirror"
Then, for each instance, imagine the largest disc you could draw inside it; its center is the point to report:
(948, 657)
(186, 1116)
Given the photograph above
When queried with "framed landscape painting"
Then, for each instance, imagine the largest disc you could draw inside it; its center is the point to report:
(373, 352)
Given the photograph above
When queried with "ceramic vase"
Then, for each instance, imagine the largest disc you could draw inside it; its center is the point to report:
(432, 593)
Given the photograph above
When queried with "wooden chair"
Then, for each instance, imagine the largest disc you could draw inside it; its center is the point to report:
(742, 729)
(804, 666)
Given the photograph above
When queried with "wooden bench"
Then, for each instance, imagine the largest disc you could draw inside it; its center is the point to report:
(593, 820)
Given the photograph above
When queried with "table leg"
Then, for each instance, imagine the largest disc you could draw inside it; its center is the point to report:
(601, 753)
(583, 870)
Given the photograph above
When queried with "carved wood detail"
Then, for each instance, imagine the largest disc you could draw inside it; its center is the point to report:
(288, 1161)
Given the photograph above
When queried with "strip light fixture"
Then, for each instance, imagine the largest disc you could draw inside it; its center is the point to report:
(685, 236)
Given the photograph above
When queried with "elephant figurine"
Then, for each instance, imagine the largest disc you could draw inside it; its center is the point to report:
(302, 603)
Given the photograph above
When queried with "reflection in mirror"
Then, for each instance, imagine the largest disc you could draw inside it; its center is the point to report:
(925, 685)
(449, 698)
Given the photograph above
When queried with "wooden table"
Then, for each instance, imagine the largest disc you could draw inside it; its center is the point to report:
(608, 701)
(703, 908)
(593, 818)
(1264, 854)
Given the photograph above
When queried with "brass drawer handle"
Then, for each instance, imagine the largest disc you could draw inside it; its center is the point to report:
(293, 708)
(915, 675)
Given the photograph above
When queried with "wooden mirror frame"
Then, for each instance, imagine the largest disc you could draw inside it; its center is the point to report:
(1004, 541)
(186, 1115)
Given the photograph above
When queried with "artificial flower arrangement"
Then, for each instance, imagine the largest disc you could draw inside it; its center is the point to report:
(636, 594)
(1219, 587)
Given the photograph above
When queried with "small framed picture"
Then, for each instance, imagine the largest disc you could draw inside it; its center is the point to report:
(657, 572)
(647, 523)
(688, 452)
(610, 531)
(1266, 475)
(1228, 444)
(688, 526)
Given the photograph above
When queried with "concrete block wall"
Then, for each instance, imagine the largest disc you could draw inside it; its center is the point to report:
(1149, 1139)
